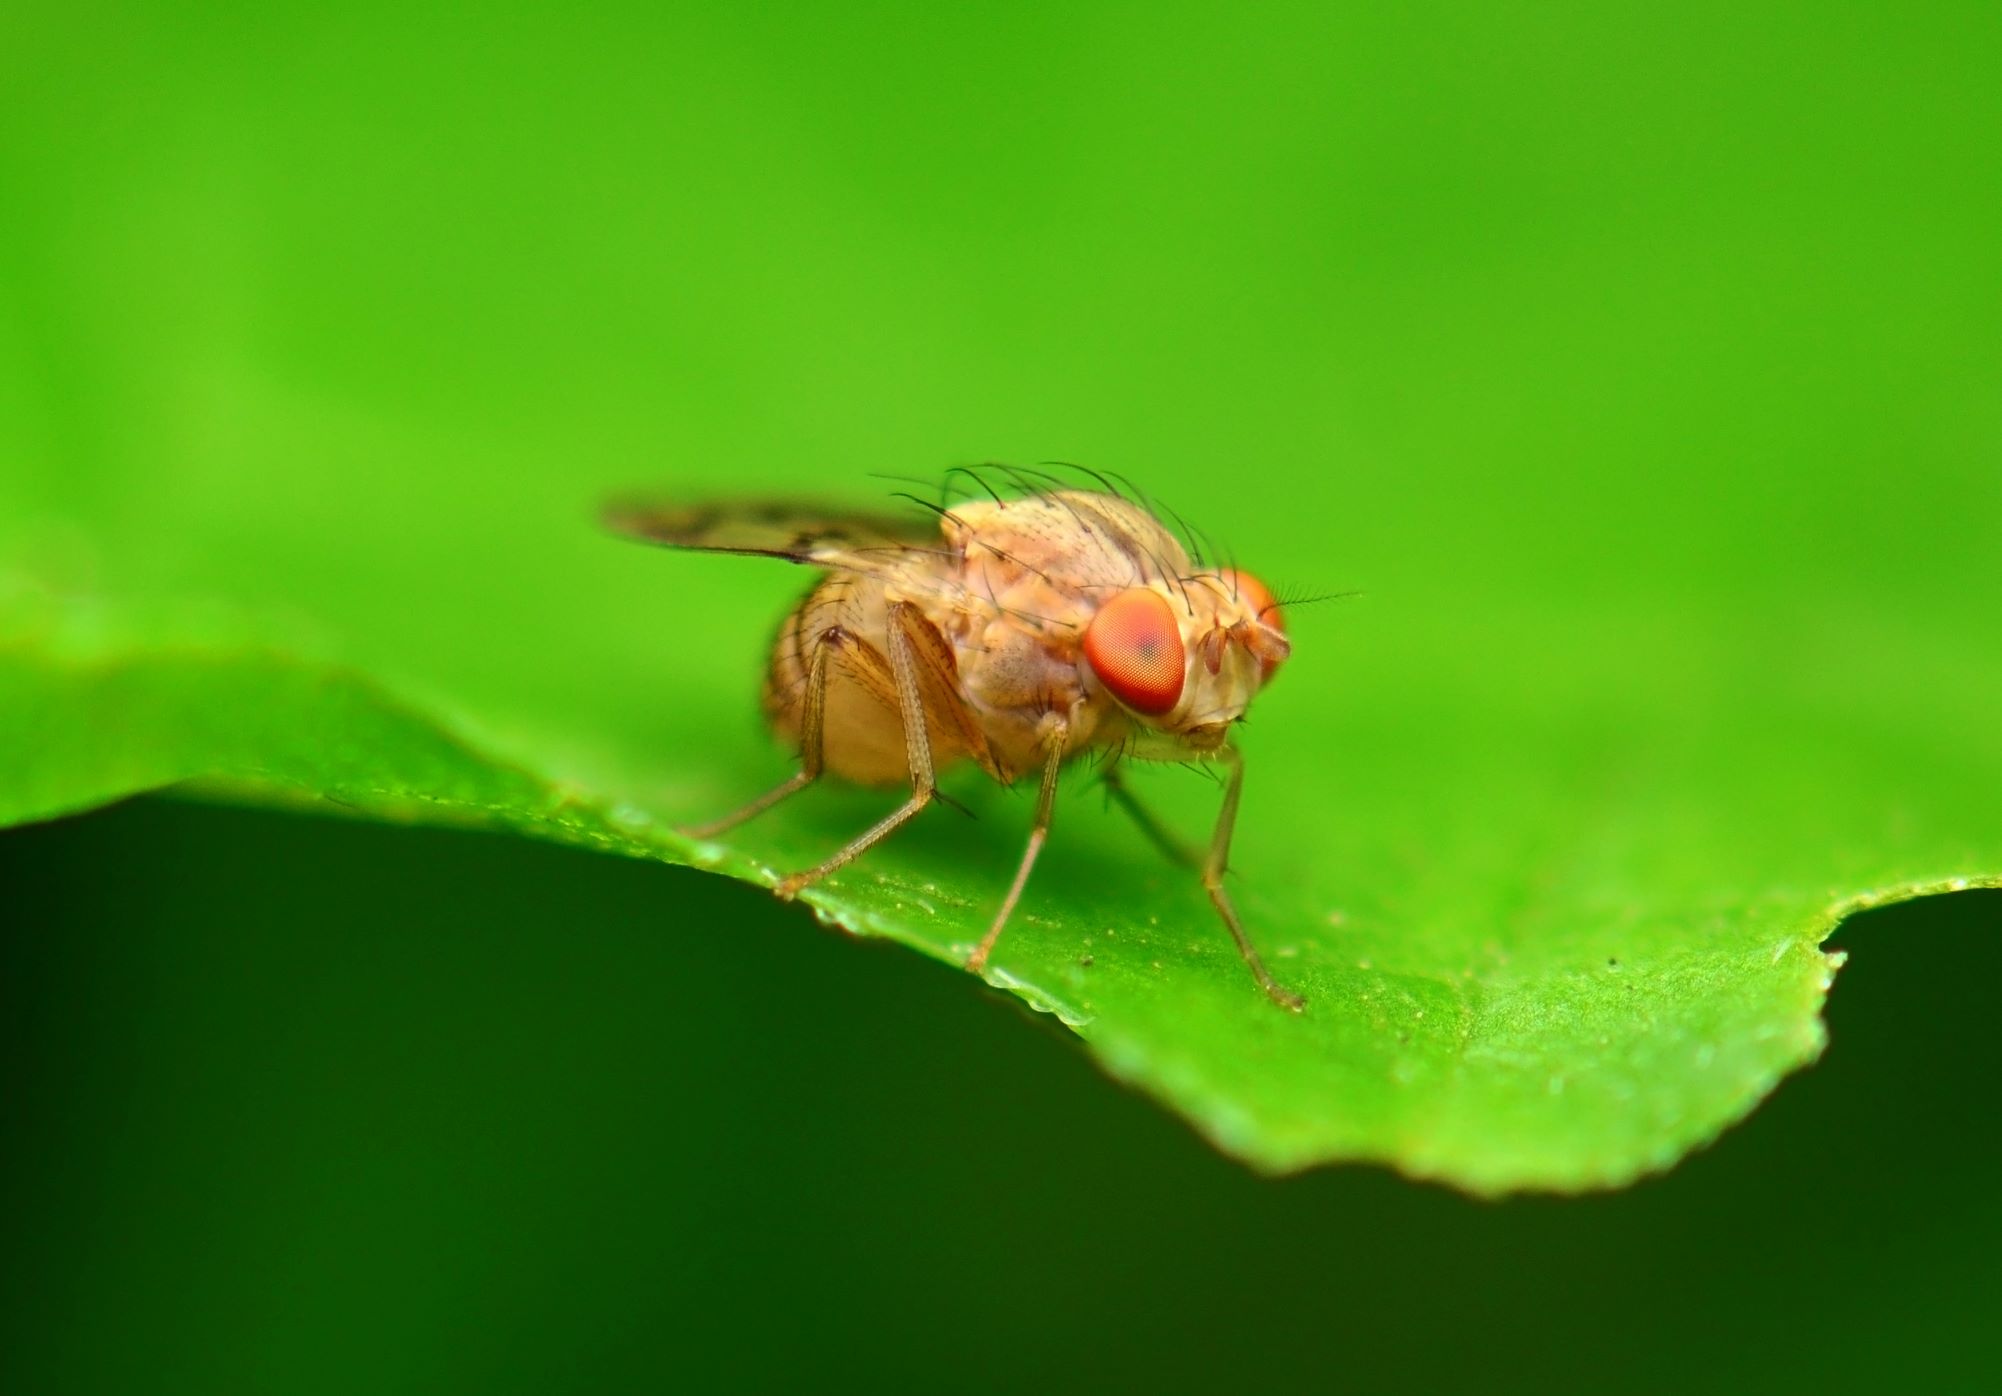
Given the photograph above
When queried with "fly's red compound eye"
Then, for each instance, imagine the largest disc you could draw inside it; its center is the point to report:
(1257, 598)
(1135, 648)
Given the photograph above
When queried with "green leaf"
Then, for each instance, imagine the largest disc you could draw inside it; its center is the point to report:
(1678, 642)
(1544, 956)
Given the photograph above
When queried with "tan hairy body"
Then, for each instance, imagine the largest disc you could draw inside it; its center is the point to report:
(1014, 633)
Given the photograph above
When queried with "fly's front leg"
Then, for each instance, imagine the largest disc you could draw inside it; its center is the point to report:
(917, 751)
(812, 726)
(1213, 871)
(1058, 738)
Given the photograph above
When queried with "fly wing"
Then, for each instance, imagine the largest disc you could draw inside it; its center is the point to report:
(797, 531)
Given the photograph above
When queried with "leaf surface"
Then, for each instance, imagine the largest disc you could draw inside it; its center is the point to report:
(1679, 637)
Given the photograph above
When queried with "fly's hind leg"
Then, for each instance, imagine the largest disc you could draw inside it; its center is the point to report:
(812, 726)
(909, 698)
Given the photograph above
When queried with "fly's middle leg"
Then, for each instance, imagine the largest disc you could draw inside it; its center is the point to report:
(1057, 738)
(1158, 834)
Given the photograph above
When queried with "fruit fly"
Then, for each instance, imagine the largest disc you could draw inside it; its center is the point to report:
(1019, 631)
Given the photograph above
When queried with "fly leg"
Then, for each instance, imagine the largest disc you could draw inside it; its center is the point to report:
(1158, 834)
(917, 747)
(1213, 871)
(1046, 798)
(813, 722)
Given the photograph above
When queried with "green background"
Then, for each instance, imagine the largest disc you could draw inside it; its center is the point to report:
(1661, 340)
(300, 1106)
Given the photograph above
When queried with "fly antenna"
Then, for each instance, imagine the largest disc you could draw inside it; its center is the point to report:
(1314, 600)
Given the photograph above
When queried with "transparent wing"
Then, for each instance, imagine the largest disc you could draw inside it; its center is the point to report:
(798, 531)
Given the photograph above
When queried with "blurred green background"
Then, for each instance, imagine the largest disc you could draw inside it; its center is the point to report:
(297, 1105)
(1614, 317)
